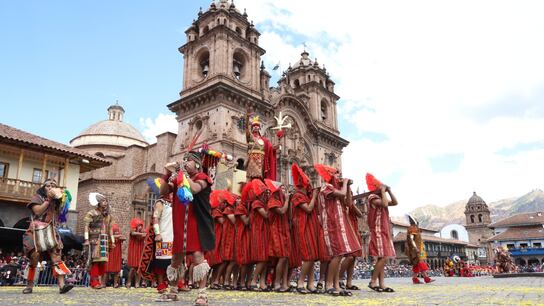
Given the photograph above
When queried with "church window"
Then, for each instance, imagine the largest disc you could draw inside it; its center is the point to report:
(206, 30)
(454, 234)
(471, 218)
(240, 164)
(151, 199)
(238, 31)
(480, 218)
(238, 65)
(324, 108)
(204, 63)
(297, 83)
(198, 125)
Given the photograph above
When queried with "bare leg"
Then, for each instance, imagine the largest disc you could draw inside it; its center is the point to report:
(306, 270)
(279, 272)
(260, 270)
(228, 279)
(129, 278)
(323, 268)
(116, 280)
(350, 271)
(332, 273)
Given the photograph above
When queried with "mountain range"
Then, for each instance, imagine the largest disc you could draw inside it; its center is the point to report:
(435, 217)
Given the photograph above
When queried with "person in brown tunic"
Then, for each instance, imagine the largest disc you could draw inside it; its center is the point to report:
(45, 207)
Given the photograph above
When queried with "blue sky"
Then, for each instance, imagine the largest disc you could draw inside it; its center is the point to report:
(438, 98)
(64, 62)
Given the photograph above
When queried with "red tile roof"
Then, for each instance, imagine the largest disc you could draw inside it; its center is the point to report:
(533, 218)
(15, 136)
(401, 237)
(520, 233)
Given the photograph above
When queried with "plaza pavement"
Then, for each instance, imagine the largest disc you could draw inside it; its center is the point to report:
(445, 291)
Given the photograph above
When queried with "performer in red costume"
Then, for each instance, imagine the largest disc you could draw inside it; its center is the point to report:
(243, 256)
(214, 256)
(228, 237)
(115, 256)
(340, 236)
(135, 249)
(261, 162)
(259, 232)
(280, 240)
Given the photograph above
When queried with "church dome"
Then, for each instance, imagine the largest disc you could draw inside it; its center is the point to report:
(110, 132)
(303, 61)
(476, 203)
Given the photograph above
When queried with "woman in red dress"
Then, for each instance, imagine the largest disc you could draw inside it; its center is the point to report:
(259, 232)
(227, 240)
(113, 266)
(280, 242)
(340, 237)
(135, 249)
(306, 228)
(214, 256)
(243, 257)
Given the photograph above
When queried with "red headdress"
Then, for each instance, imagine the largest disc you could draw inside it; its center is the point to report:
(115, 229)
(245, 191)
(372, 182)
(270, 185)
(214, 198)
(300, 179)
(135, 222)
(258, 187)
(219, 196)
(325, 172)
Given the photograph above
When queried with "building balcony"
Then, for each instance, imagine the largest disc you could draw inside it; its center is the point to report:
(14, 190)
(527, 251)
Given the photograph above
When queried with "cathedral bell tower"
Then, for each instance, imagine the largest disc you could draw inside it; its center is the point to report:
(222, 77)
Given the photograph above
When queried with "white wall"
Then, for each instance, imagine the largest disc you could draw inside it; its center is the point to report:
(462, 232)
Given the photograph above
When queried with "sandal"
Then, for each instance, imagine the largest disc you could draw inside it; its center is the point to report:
(332, 292)
(352, 287)
(387, 289)
(319, 286)
(27, 290)
(312, 291)
(377, 288)
(345, 293)
(66, 288)
(254, 288)
(215, 286)
(302, 290)
(283, 290)
(342, 285)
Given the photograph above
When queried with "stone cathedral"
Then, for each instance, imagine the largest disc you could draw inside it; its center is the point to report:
(223, 78)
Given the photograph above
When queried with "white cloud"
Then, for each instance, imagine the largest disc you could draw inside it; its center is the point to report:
(162, 123)
(421, 72)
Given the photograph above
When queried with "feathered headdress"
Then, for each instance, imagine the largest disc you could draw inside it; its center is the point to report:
(271, 185)
(65, 202)
(255, 121)
(325, 172)
(214, 198)
(115, 229)
(300, 179)
(372, 182)
(155, 185)
(246, 188)
(95, 197)
(135, 222)
(412, 220)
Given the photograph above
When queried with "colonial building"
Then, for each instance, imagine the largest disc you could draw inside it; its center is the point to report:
(223, 78)
(478, 218)
(26, 160)
(523, 234)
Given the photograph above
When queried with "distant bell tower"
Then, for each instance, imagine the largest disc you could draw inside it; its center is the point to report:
(478, 217)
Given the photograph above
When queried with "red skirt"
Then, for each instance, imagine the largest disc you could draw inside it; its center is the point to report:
(214, 257)
(135, 249)
(115, 258)
(259, 233)
(227, 241)
(178, 216)
(242, 243)
(355, 224)
(280, 238)
(295, 259)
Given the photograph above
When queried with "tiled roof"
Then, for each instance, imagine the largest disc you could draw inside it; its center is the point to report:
(399, 223)
(520, 220)
(402, 237)
(10, 134)
(520, 233)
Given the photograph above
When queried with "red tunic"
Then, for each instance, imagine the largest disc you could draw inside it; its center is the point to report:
(259, 233)
(306, 228)
(135, 249)
(242, 235)
(115, 258)
(340, 237)
(178, 216)
(355, 224)
(229, 234)
(280, 240)
(294, 260)
(381, 242)
(214, 257)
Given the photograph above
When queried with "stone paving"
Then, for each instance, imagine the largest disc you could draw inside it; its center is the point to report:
(445, 291)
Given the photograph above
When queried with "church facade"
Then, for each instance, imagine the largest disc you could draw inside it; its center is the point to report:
(223, 78)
